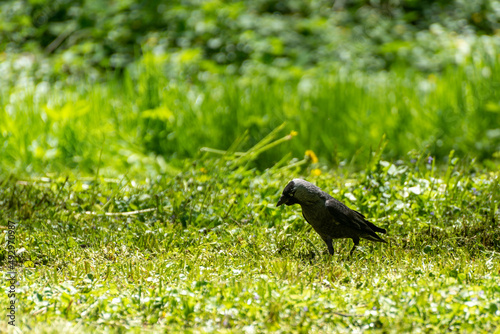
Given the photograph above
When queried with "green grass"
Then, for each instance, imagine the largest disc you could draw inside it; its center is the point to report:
(146, 202)
(146, 122)
(213, 254)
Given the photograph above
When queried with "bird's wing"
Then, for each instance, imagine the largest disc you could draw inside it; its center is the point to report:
(351, 218)
(359, 213)
(342, 214)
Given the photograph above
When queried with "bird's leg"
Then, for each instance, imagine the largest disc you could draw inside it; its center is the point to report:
(329, 244)
(356, 242)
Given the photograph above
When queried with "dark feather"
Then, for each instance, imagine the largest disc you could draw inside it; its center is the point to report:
(353, 219)
(340, 213)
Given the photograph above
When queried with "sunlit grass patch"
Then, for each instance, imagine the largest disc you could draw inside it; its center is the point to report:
(209, 251)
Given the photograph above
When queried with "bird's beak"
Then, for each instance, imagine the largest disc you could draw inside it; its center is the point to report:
(281, 201)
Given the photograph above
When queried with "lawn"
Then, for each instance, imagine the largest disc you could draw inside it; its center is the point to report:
(144, 146)
(208, 251)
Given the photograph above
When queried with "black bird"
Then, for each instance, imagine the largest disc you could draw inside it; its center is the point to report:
(330, 218)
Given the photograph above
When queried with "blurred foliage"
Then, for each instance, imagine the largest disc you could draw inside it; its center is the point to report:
(143, 122)
(372, 35)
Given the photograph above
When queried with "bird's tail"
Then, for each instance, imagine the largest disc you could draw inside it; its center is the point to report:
(375, 228)
(371, 235)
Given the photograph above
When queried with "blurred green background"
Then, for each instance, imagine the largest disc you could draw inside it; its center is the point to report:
(141, 86)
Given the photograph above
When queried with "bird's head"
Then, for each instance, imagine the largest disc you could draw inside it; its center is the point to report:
(298, 191)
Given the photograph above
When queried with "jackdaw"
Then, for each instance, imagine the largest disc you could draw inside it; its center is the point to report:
(330, 218)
